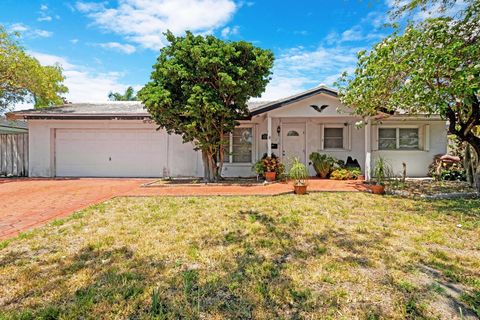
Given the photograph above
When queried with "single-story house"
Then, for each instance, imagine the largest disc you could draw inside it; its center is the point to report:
(119, 139)
(12, 126)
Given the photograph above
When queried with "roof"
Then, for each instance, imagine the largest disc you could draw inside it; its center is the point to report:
(291, 99)
(12, 126)
(136, 110)
(111, 109)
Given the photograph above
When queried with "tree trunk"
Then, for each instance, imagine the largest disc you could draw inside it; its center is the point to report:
(210, 171)
(468, 164)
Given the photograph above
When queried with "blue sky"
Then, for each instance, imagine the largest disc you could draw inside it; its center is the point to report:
(109, 45)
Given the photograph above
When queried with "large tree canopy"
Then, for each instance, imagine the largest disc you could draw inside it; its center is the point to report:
(431, 67)
(24, 79)
(200, 87)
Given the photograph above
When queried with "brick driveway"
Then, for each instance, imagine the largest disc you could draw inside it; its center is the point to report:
(28, 203)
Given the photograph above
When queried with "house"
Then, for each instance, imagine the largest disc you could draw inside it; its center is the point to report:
(9, 126)
(119, 139)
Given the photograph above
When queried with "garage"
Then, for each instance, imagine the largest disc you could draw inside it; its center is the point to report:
(108, 139)
(110, 153)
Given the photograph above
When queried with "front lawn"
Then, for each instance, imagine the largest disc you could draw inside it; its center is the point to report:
(324, 255)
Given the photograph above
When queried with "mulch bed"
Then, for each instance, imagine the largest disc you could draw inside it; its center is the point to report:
(429, 188)
(199, 182)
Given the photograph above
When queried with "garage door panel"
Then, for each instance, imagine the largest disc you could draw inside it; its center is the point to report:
(110, 152)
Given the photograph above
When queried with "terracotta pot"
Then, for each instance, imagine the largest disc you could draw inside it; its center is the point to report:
(377, 189)
(300, 189)
(270, 176)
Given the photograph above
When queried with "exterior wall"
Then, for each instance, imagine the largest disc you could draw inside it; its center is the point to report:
(182, 160)
(433, 141)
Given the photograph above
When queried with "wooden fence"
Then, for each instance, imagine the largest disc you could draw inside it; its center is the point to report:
(14, 155)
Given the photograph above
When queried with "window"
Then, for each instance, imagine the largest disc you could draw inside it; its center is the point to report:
(398, 138)
(333, 138)
(387, 138)
(292, 133)
(241, 145)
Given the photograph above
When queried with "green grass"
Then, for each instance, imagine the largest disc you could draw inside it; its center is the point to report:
(324, 255)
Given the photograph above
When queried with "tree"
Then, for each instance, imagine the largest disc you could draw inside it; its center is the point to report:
(200, 87)
(24, 79)
(129, 95)
(432, 67)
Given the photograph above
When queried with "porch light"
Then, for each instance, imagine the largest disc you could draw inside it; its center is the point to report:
(278, 129)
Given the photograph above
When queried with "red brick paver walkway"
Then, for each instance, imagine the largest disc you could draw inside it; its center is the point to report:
(28, 203)
(314, 185)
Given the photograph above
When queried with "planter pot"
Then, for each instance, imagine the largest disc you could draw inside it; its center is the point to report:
(300, 189)
(270, 176)
(377, 189)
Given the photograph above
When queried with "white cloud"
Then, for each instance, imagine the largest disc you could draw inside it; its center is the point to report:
(84, 84)
(122, 47)
(145, 21)
(18, 27)
(28, 32)
(41, 33)
(74, 41)
(227, 31)
(298, 69)
(44, 16)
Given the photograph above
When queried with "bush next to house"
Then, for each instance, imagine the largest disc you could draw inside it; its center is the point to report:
(322, 163)
(329, 167)
(345, 174)
(269, 164)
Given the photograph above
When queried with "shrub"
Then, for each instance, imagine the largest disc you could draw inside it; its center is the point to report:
(452, 175)
(322, 163)
(345, 174)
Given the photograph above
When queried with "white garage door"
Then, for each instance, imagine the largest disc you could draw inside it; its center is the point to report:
(110, 153)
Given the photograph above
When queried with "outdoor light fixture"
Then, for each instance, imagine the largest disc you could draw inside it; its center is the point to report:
(278, 129)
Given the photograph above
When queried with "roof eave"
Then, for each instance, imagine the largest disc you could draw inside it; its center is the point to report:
(287, 101)
(84, 116)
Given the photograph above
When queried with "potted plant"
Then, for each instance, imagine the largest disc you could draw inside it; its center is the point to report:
(322, 163)
(269, 167)
(382, 172)
(299, 174)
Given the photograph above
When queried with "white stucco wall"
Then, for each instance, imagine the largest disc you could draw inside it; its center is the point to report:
(182, 160)
(433, 141)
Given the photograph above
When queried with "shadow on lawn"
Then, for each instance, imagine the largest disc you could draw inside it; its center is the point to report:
(255, 284)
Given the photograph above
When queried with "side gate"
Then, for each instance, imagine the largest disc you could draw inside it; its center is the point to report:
(14, 155)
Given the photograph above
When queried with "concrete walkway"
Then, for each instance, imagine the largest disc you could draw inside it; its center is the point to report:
(28, 203)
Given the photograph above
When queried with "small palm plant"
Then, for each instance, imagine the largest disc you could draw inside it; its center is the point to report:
(381, 173)
(299, 174)
(322, 164)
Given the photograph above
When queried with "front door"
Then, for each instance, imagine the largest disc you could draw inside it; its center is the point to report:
(293, 142)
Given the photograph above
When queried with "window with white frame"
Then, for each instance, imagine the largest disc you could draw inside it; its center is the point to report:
(333, 138)
(241, 146)
(398, 139)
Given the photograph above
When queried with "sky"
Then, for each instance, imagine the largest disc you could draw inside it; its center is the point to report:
(107, 46)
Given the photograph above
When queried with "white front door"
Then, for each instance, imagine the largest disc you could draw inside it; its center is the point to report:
(293, 142)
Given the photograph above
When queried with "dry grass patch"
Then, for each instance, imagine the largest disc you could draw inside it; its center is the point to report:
(325, 255)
